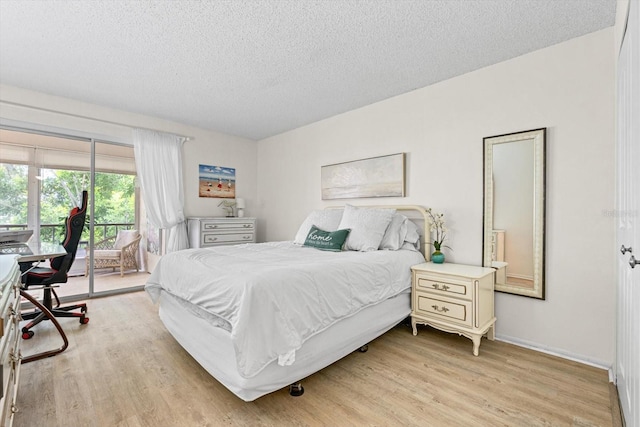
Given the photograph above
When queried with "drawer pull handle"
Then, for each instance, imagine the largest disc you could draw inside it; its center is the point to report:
(214, 238)
(440, 288)
(443, 309)
(210, 226)
(247, 225)
(246, 237)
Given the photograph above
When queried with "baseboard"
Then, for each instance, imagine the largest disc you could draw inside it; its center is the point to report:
(559, 353)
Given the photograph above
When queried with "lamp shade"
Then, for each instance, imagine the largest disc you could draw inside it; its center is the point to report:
(240, 203)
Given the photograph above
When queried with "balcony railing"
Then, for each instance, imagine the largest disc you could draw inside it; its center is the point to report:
(54, 232)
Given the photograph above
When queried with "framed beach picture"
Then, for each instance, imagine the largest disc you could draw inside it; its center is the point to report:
(217, 181)
(374, 177)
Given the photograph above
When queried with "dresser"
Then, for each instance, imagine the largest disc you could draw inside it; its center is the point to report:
(454, 298)
(219, 231)
(10, 356)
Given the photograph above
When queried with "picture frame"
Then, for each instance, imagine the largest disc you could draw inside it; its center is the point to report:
(382, 176)
(217, 182)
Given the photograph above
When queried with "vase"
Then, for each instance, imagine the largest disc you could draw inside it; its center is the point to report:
(437, 257)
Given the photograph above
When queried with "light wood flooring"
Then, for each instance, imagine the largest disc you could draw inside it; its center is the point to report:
(124, 369)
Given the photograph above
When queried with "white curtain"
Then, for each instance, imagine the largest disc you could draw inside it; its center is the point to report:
(158, 158)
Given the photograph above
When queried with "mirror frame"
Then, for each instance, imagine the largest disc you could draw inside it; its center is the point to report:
(539, 140)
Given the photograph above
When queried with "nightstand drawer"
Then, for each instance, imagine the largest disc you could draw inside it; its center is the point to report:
(449, 287)
(439, 308)
(210, 238)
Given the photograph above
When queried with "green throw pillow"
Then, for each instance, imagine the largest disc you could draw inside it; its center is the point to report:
(326, 240)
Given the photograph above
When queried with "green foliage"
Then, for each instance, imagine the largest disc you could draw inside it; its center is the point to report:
(13, 193)
(60, 191)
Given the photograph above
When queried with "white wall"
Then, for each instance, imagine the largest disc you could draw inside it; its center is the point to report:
(206, 147)
(567, 88)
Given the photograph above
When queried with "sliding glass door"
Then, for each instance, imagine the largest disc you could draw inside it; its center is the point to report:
(118, 249)
(43, 176)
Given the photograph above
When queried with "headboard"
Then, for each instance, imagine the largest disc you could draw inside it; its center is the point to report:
(416, 214)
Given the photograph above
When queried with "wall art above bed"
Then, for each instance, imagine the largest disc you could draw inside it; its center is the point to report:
(373, 177)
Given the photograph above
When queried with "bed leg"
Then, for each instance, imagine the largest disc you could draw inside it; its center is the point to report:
(364, 348)
(296, 389)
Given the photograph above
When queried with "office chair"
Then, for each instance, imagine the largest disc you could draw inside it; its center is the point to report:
(45, 278)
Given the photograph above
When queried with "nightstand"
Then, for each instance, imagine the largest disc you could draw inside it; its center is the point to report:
(454, 298)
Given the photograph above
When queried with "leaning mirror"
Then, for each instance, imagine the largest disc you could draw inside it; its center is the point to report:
(514, 211)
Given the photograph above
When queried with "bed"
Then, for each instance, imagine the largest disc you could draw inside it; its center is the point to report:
(261, 317)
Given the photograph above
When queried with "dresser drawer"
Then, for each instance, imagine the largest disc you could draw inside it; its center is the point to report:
(432, 306)
(8, 343)
(217, 238)
(217, 225)
(222, 231)
(8, 304)
(459, 289)
(8, 400)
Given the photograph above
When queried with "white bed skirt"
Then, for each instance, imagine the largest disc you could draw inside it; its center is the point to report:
(212, 347)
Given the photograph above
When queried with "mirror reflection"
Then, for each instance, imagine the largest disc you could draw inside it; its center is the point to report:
(514, 211)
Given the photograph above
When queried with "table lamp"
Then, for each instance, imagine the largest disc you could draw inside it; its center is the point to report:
(240, 207)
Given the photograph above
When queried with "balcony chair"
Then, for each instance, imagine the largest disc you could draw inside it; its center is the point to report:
(120, 251)
(46, 278)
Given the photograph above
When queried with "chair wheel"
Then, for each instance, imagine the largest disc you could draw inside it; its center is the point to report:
(84, 320)
(26, 335)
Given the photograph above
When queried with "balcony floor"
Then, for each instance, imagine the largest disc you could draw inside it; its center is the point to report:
(104, 280)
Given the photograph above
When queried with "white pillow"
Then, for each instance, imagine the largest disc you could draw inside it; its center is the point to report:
(401, 230)
(326, 219)
(395, 234)
(412, 235)
(409, 247)
(367, 227)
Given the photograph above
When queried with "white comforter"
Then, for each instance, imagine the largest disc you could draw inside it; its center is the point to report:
(274, 296)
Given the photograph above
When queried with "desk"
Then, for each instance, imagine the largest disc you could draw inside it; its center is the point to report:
(41, 251)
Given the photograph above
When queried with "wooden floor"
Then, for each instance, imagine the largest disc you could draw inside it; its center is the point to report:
(124, 369)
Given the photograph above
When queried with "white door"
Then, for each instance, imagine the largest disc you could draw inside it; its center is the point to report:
(628, 220)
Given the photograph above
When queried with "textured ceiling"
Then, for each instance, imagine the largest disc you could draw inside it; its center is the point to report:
(259, 68)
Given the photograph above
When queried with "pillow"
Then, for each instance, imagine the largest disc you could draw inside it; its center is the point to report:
(327, 219)
(407, 246)
(412, 235)
(395, 233)
(326, 240)
(367, 227)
